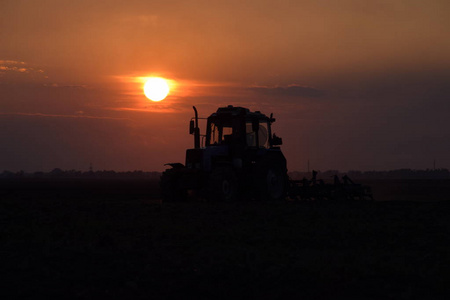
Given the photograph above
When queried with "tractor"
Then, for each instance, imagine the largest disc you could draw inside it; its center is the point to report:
(238, 157)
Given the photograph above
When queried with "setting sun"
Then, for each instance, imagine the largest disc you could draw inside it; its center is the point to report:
(156, 88)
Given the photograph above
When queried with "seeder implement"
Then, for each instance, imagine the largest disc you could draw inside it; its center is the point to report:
(317, 189)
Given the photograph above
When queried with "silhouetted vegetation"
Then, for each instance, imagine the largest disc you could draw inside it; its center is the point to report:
(58, 173)
(373, 175)
(326, 175)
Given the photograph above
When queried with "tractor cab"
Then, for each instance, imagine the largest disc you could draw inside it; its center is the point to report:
(238, 126)
(234, 136)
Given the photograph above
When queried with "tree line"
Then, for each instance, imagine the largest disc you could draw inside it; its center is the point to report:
(325, 175)
(59, 173)
(374, 175)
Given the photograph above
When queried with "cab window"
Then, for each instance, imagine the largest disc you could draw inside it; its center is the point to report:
(263, 135)
(220, 134)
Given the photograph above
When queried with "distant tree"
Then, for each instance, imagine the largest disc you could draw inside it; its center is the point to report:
(7, 174)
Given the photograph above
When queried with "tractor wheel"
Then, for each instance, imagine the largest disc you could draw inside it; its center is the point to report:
(223, 185)
(170, 189)
(272, 183)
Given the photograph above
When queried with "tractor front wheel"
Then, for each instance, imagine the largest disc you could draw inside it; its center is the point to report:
(272, 183)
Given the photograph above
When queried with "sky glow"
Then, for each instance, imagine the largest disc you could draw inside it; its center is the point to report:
(353, 85)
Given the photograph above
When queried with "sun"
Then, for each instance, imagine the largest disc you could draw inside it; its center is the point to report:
(156, 88)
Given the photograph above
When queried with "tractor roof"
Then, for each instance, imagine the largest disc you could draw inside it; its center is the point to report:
(237, 111)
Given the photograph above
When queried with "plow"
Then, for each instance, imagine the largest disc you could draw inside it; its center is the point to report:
(238, 157)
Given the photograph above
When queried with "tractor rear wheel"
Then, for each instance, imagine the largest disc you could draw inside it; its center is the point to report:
(223, 185)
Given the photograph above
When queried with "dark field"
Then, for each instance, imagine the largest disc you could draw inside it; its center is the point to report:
(114, 239)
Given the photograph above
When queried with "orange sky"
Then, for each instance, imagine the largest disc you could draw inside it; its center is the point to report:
(353, 84)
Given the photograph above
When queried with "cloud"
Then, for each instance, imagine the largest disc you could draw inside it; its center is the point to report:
(11, 62)
(289, 91)
(15, 69)
(55, 85)
(78, 115)
(158, 109)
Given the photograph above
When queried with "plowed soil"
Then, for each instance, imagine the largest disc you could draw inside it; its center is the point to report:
(93, 239)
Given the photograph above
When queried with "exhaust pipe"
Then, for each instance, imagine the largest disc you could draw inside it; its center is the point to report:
(196, 130)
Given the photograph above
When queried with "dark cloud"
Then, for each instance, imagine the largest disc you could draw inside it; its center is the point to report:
(289, 91)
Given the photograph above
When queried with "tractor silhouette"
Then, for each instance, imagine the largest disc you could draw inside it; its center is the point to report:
(239, 158)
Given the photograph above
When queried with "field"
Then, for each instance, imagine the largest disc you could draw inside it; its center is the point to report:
(114, 238)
